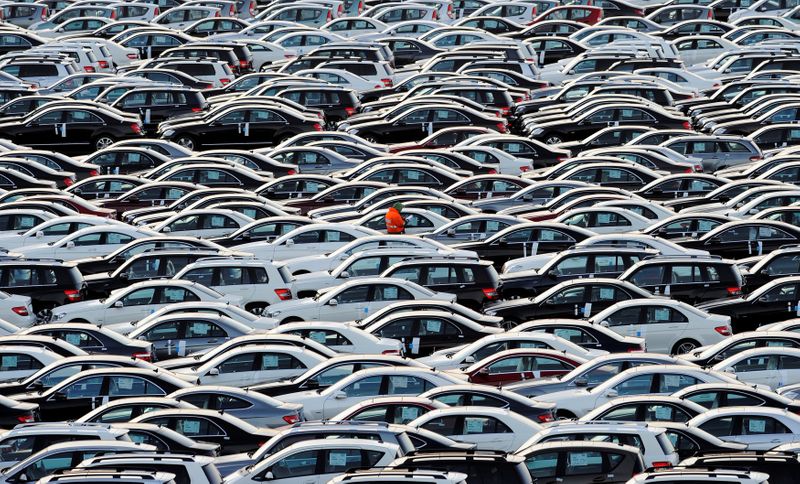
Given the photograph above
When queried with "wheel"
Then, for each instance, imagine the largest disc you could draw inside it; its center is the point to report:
(293, 319)
(103, 141)
(565, 415)
(45, 314)
(684, 346)
(186, 141)
(370, 139)
(509, 324)
(553, 139)
(256, 307)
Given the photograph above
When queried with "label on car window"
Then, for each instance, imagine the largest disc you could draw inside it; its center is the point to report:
(190, 426)
(473, 425)
(663, 413)
(400, 381)
(433, 326)
(415, 346)
(662, 314)
(318, 336)
(337, 459)
(73, 338)
(408, 414)
(269, 361)
(587, 309)
(125, 383)
(9, 362)
(578, 459)
(672, 381)
(756, 426)
(181, 348)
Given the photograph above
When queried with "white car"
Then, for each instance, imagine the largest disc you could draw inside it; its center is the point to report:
(7, 329)
(340, 77)
(760, 428)
(305, 240)
(52, 230)
(257, 282)
(300, 463)
(16, 310)
(354, 26)
(252, 365)
(330, 261)
(462, 356)
(682, 77)
(657, 450)
(604, 220)
(664, 246)
(89, 242)
(651, 379)
(788, 325)
(297, 41)
(353, 300)
(21, 220)
(771, 366)
(668, 326)
(489, 428)
(342, 338)
(204, 223)
(137, 301)
(366, 384)
(18, 362)
(654, 210)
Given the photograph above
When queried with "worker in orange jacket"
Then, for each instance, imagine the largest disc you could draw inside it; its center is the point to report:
(395, 223)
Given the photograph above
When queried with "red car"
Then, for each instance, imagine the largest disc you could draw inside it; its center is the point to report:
(444, 138)
(77, 204)
(521, 364)
(395, 410)
(576, 13)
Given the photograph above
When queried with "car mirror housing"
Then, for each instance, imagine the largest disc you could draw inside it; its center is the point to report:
(118, 304)
(340, 395)
(581, 382)
(333, 302)
(213, 371)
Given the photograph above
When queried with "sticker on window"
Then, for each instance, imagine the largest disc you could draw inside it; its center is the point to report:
(73, 338)
(578, 459)
(662, 314)
(473, 425)
(408, 414)
(334, 236)
(400, 381)
(756, 426)
(125, 383)
(337, 459)
(663, 413)
(547, 235)
(606, 293)
(201, 328)
(390, 292)
(190, 426)
(9, 362)
(318, 336)
(269, 361)
(672, 381)
(433, 326)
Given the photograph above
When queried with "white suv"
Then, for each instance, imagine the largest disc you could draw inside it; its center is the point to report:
(696, 476)
(258, 282)
(187, 468)
(397, 476)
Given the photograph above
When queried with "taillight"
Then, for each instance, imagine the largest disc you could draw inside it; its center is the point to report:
(93, 173)
(689, 170)
(44, 13)
(329, 17)
(390, 352)
(661, 464)
(317, 127)
(698, 168)
(686, 125)
(196, 110)
(68, 181)
(291, 172)
(209, 86)
(734, 291)
(232, 12)
(225, 81)
(103, 64)
(25, 418)
(252, 9)
(133, 56)
(723, 330)
(504, 110)
(156, 12)
(142, 356)
(523, 169)
(435, 15)
(283, 294)
(113, 14)
(291, 419)
(21, 310)
(73, 295)
(136, 128)
(710, 14)
(340, 10)
(492, 171)
(450, 10)
(387, 82)
(88, 68)
(546, 417)
(501, 127)
(490, 293)
(638, 12)
(350, 111)
(756, 158)
(217, 14)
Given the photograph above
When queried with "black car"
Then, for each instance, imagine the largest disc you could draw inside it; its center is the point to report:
(474, 283)
(744, 238)
(79, 129)
(58, 346)
(417, 123)
(326, 374)
(113, 260)
(690, 441)
(570, 299)
(526, 239)
(38, 171)
(778, 263)
(408, 50)
(689, 225)
(782, 467)
(691, 279)
(771, 303)
(571, 264)
(75, 396)
(156, 104)
(232, 434)
(49, 283)
(56, 161)
(255, 126)
(216, 175)
(485, 467)
(94, 340)
(719, 395)
(167, 440)
(13, 413)
(474, 395)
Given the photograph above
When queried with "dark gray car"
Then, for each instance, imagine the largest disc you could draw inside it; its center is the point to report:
(252, 407)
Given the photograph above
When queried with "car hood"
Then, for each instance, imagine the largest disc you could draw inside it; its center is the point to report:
(77, 307)
(292, 305)
(562, 395)
(299, 397)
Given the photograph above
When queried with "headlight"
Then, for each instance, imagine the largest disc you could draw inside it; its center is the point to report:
(169, 132)
(59, 316)
(537, 132)
(491, 313)
(272, 314)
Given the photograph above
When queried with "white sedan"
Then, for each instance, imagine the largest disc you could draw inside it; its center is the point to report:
(204, 223)
(52, 230)
(651, 379)
(772, 366)
(305, 240)
(462, 356)
(760, 428)
(668, 326)
(137, 301)
(18, 362)
(16, 310)
(366, 384)
(605, 220)
(488, 428)
(252, 365)
(342, 337)
(92, 241)
(352, 300)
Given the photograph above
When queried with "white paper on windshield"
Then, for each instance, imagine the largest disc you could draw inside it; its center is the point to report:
(672, 381)
(587, 309)
(400, 381)
(547, 235)
(200, 328)
(190, 426)
(9, 362)
(181, 347)
(415, 346)
(756, 426)
(269, 361)
(125, 383)
(73, 339)
(578, 459)
(663, 413)
(337, 459)
(534, 248)
(147, 116)
(333, 236)
(760, 247)
(433, 325)
(389, 292)
(604, 218)
(318, 336)
(606, 293)
(408, 414)
(473, 425)
(662, 314)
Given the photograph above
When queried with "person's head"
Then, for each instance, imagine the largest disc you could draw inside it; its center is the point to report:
(398, 206)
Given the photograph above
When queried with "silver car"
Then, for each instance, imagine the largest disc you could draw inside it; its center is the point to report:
(471, 228)
(252, 407)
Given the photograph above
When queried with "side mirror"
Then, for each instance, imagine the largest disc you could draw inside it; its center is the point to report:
(213, 372)
(729, 370)
(451, 232)
(718, 358)
(124, 275)
(469, 359)
(36, 386)
(763, 299)
(581, 382)
(753, 211)
(503, 241)
(59, 396)
(552, 274)
(612, 394)
(39, 234)
(70, 244)
(344, 275)
(289, 242)
(269, 476)
(604, 323)
(483, 371)
(312, 383)
(333, 302)
(340, 395)
(133, 199)
(118, 304)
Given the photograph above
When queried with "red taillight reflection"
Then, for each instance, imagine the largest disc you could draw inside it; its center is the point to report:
(291, 419)
(723, 330)
(21, 310)
(283, 294)
(73, 295)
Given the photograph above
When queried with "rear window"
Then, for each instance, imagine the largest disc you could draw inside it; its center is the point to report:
(196, 69)
(37, 70)
(665, 443)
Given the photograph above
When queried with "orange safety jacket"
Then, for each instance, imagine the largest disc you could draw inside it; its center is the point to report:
(394, 221)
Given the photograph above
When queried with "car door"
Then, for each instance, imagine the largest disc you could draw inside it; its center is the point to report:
(505, 370)
(201, 335)
(760, 432)
(44, 130)
(758, 369)
(350, 304)
(135, 305)
(81, 126)
(75, 399)
(487, 433)
(264, 124)
(228, 130)
(436, 333)
(411, 127)
(166, 339)
(568, 302)
(356, 392)
(778, 304)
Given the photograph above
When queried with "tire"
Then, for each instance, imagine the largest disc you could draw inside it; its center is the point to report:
(103, 141)
(684, 346)
(553, 139)
(509, 324)
(186, 141)
(565, 415)
(45, 314)
(256, 308)
(78, 320)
